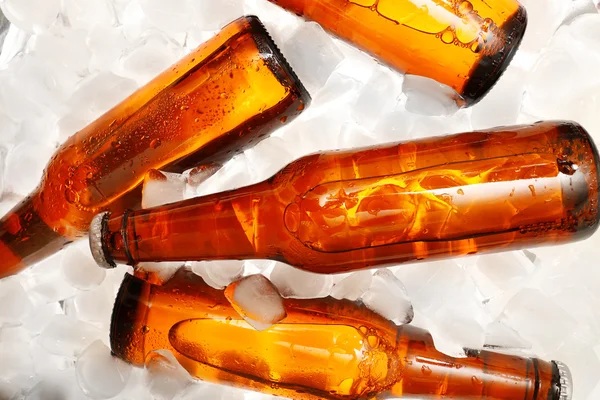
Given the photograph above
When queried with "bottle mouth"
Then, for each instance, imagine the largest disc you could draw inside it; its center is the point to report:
(562, 381)
(97, 227)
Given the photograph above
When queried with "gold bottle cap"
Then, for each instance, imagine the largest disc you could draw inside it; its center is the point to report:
(95, 237)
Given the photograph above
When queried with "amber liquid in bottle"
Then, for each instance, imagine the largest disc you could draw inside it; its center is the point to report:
(506, 188)
(323, 349)
(466, 45)
(223, 97)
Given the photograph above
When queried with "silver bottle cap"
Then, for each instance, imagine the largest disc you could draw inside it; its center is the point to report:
(95, 237)
(565, 382)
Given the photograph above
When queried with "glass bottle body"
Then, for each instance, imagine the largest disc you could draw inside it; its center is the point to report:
(455, 195)
(466, 45)
(221, 98)
(323, 349)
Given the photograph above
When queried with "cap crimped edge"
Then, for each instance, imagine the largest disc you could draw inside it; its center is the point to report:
(95, 237)
(566, 381)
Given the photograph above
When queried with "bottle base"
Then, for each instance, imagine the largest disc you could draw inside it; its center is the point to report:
(490, 68)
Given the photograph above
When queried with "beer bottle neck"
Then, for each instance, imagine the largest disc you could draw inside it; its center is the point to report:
(480, 375)
(219, 226)
(25, 238)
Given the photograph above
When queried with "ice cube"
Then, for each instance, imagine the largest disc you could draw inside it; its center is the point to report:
(219, 274)
(453, 333)
(16, 366)
(387, 296)
(98, 93)
(80, 269)
(57, 385)
(581, 304)
(580, 7)
(175, 16)
(106, 44)
(313, 54)
(24, 166)
(428, 97)
(265, 267)
(41, 316)
(69, 125)
(44, 282)
(196, 37)
(353, 286)
(83, 13)
(45, 362)
(206, 390)
(162, 188)
(557, 267)
(377, 97)
(32, 15)
(158, 273)
(94, 306)
(10, 128)
(543, 20)
(212, 15)
(395, 126)
(165, 377)
(268, 157)
(498, 335)
(340, 89)
(496, 273)
(16, 304)
(152, 54)
(68, 336)
(423, 126)
(556, 71)
(315, 133)
(353, 136)
(69, 49)
(538, 319)
(196, 176)
(257, 300)
(296, 283)
(47, 83)
(233, 175)
(506, 95)
(14, 101)
(100, 374)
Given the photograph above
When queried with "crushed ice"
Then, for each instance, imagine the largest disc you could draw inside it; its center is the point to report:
(64, 63)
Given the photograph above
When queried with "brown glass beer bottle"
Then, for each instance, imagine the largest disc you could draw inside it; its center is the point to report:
(466, 45)
(501, 189)
(224, 96)
(323, 349)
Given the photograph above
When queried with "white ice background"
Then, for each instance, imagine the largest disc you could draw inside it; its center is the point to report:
(64, 62)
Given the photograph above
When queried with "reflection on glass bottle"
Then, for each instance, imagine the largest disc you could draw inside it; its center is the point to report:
(323, 349)
(466, 45)
(221, 98)
(506, 188)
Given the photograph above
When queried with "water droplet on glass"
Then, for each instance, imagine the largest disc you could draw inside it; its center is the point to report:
(155, 143)
(71, 196)
(373, 341)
